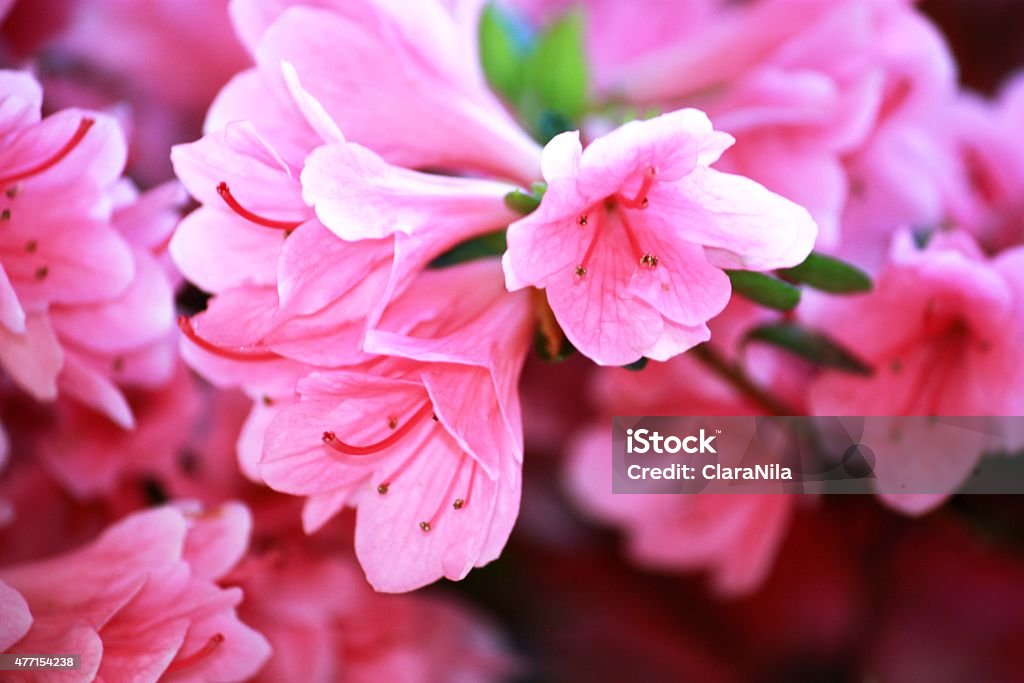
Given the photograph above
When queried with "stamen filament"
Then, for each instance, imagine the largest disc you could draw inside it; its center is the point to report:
(640, 201)
(225, 193)
(427, 526)
(242, 353)
(331, 439)
(461, 503)
(597, 219)
(83, 127)
(634, 243)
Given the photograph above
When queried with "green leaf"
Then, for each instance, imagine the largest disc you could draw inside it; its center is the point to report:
(503, 52)
(491, 244)
(764, 289)
(810, 345)
(557, 70)
(829, 275)
(526, 202)
(522, 202)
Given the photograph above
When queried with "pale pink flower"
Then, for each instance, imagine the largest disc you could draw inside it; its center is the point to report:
(428, 444)
(325, 624)
(141, 600)
(944, 332)
(403, 80)
(633, 234)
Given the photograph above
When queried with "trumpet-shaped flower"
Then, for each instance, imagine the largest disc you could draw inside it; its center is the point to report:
(427, 443)
(632, 236)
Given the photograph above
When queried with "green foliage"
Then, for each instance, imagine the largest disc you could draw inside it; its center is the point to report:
(829, 275)
(491, 244)
(545, 77)
(764, 289)
(810, 345)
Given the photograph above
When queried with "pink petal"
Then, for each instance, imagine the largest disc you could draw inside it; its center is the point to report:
(95, 390)
(345, 56)
(743, 224)
(358, 195)
(217, 250)
(12, 315)
(33, 359)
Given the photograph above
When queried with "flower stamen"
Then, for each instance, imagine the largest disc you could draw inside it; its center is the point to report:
(225, 193)
(242, 353)
(83, 128)
(332, 440)
(640, 201)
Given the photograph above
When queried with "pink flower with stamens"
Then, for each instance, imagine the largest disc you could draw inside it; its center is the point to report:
(631, 238)
(142, 598)
(944, 332)
(426, 443)
(85, 308)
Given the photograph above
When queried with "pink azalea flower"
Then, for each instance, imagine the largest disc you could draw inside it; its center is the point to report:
(86, 308)
(141, 600)
(633, 234)
(402, 80)
(734, 538)
(427, 445)
(160, 75)
(986, 197)
(944, 331)
(325, 624)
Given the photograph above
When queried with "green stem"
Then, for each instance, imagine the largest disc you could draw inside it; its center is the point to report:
(734, 375)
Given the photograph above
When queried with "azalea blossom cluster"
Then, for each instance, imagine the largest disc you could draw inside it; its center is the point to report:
(416, 246)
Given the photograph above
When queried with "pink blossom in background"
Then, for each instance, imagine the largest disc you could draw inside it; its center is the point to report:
(159, 66)
(325, 624)
(733, 538)
(944, 333)
(141, 600)
(986, 197)
(633, 233)
(86, 306)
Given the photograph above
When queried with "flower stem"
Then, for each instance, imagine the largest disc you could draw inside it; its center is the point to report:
(734, 375)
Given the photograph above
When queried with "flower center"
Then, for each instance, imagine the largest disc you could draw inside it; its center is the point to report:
(225, 193)
(242, 353)
(620, 203)
(83, 128)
